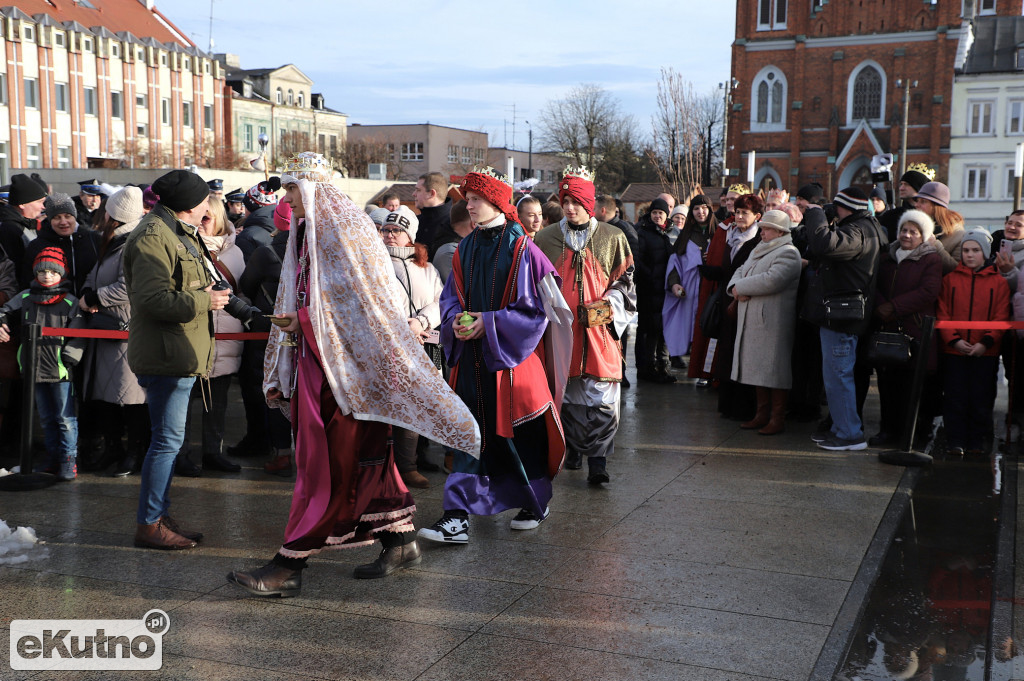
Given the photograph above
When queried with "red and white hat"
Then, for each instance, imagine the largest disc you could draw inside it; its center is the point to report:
(579, 184)
(493, 186)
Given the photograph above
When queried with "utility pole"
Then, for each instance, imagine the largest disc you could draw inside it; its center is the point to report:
(211, 26)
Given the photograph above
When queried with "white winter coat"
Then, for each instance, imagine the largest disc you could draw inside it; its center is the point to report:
(227, 354)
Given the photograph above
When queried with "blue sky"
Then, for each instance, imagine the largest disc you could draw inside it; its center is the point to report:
(416, 62)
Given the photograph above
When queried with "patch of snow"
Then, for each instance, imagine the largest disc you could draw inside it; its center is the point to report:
(19, 546)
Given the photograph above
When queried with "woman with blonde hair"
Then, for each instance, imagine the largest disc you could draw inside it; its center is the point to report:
(225, 263)
(933, 200)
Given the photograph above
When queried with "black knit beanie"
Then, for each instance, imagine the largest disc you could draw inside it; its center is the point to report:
(181, 190)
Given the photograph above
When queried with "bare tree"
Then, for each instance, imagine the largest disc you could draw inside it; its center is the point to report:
(357, 155)
(685, 130)
(588, 127)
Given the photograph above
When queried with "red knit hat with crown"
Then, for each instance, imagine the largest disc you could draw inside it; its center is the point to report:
(579, 184)
(50, 258)
(494, 187)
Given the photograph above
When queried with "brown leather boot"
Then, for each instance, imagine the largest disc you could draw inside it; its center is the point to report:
(763, 407)
(159, 536)
(269, 580)
(777, 424)
(414, 478)
(390, 559)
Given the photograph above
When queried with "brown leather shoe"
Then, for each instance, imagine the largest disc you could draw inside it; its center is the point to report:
(414, 478)
(269, 580)
(172, 525)
(390, 560)
(159, 536)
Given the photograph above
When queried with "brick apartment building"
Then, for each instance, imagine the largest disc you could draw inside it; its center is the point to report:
(815, 85)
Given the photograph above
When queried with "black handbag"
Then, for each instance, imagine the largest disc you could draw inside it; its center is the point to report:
(846, 306)
(889, 348)
(101, 321)
(711, 315)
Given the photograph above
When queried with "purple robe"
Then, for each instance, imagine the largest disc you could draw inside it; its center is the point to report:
(678, 315)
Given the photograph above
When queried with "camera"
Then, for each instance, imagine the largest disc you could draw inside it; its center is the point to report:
(236, 307)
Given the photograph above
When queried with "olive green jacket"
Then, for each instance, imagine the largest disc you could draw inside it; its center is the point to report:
(171, 329)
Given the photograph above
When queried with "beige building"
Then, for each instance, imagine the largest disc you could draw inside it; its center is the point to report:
(414, 149)
(546, 167)
(280, 103)
(121, 87)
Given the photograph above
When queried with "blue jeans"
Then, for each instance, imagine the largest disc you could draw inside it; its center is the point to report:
(167, 397)
(56, 405)
(838, 356)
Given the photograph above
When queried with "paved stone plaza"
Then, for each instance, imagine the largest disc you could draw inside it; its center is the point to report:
(714, 554)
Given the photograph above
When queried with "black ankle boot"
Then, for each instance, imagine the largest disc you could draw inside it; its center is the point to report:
(269, 580)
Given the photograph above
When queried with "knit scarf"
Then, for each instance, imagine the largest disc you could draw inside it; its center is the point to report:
(47, 295)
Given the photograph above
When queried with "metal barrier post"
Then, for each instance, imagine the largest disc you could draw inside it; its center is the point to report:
(26, 479)
(906, 456)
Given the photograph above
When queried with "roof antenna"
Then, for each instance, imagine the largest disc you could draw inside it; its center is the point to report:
(211, 26)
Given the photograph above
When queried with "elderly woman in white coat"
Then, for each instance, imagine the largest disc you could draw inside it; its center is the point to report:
(421, 287)
(119, 401)
(228, 263)
(765, 288)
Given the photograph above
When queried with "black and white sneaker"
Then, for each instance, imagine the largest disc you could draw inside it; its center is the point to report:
(526, 520)
(447, 530)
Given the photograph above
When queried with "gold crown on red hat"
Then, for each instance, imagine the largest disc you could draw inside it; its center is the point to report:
(923, 169)
(582, 172)
(491, 172)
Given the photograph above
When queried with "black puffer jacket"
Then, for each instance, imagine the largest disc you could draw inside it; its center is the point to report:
(651, 259)
(13, 228)
(435, 227)
(258, 227)
(630, 231)
(844, 259)
(261, 277)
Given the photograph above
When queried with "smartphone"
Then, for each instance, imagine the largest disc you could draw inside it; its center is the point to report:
(1006, 247)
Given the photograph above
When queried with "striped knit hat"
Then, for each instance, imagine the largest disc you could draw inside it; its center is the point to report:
(50, 258)
(852, 199)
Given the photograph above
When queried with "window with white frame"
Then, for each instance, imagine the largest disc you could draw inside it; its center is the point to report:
(986, 7)
(60, 96)
(976, 183)
(63, 157)
(31, 93)
(467, 157)
(867, 94)
(142, 130)
(247, 137)
(771, 15)
(208, 116)
(206, 67)
(1010, 177)
(301, 101)
(412, 151)
(979, 117)
(165, 111)
(32, 156)
(4, 165)
(140, 100)
(280, 96)
(115, 50)
(768, 95)
(291, 97)
(3, 88)
(87, 44)
(1015, 117)
(59, 39)
(163, 59)
(186, 114)
(89, 100)
(453, 153)
(140, 54)
(117, 105)
(28, 32)
(479, 157)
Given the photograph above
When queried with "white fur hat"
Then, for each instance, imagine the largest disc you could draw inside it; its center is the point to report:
(924, 223)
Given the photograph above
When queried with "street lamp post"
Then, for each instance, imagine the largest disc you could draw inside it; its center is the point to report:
(906, 85)
(727, 88)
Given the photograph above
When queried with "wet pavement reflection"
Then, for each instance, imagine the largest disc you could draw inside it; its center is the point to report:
(929, 614)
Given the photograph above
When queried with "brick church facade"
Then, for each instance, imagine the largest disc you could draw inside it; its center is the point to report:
(815, 85)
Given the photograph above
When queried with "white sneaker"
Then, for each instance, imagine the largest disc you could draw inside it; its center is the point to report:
(447, 530)
(526, 520)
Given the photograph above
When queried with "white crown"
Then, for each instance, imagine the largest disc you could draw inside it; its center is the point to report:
(491, 172)
(308, 165)
(581, 172)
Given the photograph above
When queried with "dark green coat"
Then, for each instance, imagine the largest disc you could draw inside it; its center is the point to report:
(171, 328)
